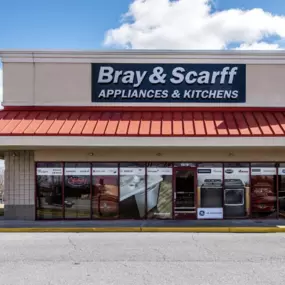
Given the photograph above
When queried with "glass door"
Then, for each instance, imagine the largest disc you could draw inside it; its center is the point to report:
(185, 193)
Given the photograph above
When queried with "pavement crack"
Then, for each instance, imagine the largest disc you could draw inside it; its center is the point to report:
(74, 248)
(72, 243)
(161, 253)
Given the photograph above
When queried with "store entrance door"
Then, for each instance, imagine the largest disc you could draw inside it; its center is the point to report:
(185, 180)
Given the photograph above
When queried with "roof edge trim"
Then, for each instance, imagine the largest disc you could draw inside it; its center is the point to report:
(142, 108)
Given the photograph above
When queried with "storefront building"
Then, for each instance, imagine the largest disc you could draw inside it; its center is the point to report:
(143, 135)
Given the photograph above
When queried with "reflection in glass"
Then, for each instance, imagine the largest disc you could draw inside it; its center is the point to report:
(77, 200)
(159, 191)
(132, 190)
(49, 190)
(105, 191)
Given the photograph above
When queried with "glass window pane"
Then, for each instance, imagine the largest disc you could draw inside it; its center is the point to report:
(185, 188)
(49, 190)
(281, 190)
(210, 185)
(263, 191)
(236, 190)
(159, 191)
(77, 190)
(105, 191)
(132, 190)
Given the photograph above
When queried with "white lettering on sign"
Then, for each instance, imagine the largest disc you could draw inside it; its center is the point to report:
(107, 74)
(105, 171)
(56, 171)
(159, 171)
(255, 171)
(132, 171)
(135, 78)
(77, 171)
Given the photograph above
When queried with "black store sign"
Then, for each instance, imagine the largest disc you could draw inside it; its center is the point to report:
(162, 83)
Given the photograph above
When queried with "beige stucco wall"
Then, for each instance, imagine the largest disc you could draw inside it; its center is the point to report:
(19, 178)
(163, 154)
(69, 84)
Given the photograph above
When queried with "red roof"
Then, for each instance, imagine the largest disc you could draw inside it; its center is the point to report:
(144, 123)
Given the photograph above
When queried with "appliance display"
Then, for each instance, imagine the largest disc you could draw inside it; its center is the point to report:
(281, 191)
(210, 185)
(211, 193)
(185, 207)
(263, 196)
(160, 207)
(132, 190)
(263, 191)
(234, 198)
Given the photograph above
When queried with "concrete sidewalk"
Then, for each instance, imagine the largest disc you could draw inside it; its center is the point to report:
(144, 226)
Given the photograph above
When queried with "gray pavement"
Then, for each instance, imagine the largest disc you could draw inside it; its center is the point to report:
(141, 223)
(141, 258)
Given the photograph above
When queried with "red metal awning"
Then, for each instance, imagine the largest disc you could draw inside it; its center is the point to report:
(145, 123)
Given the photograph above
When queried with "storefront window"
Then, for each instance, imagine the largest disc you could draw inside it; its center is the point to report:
(210, 191)
(236, 190)
(263, 190)
(185, 193)
(105, 191)
(49, 190)
(132, 191)
(77, 200)
(159, 191)
(281, 190)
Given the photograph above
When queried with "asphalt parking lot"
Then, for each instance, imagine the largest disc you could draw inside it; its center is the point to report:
(141, 258)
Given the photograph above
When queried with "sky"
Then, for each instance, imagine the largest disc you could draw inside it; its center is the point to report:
(141, 24)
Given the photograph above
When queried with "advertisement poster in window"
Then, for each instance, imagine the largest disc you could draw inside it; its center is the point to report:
(159, 191)
(281, 190)
(210, 187)
(105, 191)
(132, 190)
(236, 192)
(263, 192)
(49, 191)
(77, 190)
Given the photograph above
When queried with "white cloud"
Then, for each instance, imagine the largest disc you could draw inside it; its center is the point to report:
(259, 46)
(191, 24)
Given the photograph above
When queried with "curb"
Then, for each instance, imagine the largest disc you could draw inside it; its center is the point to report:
(147, 229)
(68, 230)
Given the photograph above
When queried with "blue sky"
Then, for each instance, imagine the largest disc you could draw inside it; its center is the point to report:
(72, 24)
(80, 24)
